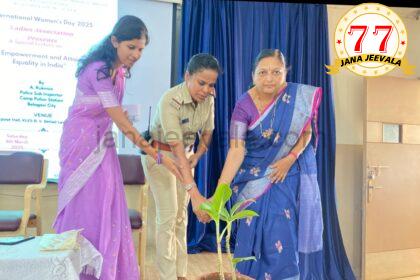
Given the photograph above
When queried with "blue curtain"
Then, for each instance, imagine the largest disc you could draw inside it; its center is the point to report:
(234, 32)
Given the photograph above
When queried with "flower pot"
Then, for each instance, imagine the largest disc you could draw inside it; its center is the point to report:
(228, 276)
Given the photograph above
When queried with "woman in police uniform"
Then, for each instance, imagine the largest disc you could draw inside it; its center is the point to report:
(183, 112)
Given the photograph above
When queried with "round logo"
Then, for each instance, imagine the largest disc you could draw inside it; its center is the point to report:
(370, 40)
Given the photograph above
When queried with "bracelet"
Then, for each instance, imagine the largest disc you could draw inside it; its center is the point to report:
(189, 186)
(293, 154)
(158, 158)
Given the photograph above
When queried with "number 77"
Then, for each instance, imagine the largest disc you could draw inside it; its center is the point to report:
(364, 28)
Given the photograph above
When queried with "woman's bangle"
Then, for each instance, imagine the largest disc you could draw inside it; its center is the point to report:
(158, 157)
(293, 154)
(189, 186)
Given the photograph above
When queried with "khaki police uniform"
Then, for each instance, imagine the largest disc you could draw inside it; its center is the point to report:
(177, 118)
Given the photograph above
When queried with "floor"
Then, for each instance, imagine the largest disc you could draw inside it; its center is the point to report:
(198, 264)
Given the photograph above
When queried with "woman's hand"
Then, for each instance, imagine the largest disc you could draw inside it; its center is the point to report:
(280, 169)
(172, 166)
(202, 216)
(193, 160)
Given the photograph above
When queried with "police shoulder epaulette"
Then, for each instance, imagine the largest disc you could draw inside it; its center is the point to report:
(175, 103)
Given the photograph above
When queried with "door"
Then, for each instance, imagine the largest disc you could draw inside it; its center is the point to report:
(391, 230)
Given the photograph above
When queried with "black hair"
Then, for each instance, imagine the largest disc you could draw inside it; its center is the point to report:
(202, 61)
(269, 53)
(127, 28)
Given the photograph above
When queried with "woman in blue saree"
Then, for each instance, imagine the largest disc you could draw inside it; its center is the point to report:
(272, 162)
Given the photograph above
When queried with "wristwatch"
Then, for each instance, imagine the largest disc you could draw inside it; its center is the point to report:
(189, 186)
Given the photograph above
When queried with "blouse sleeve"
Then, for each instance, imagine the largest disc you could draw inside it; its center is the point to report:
(102, 86)
(239, 123)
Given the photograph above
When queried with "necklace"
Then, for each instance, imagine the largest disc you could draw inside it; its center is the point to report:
(269, 132)
(260, 106)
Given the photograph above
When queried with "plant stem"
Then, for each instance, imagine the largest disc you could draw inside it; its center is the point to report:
(229, 228)
(219, 251)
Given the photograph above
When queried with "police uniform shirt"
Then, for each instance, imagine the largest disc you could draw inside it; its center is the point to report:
(178, 118)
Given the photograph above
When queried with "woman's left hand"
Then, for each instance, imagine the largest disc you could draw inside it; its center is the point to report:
(280, 169)
(172, 166)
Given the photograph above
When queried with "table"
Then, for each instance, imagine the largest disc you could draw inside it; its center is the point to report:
(25, 261)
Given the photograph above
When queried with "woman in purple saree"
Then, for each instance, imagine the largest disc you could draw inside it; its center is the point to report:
(91, 194)
(275, 165)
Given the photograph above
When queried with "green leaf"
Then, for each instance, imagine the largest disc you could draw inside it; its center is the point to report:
(244, 214)
(235, 261)
(209, 209)
(239, 204)
(224, 215)
(206, 206)
(221, 196)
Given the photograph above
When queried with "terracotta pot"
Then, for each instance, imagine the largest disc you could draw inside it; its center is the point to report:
(228, 276)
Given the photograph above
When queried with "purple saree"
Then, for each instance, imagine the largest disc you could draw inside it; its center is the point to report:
(91, 191)
(286, 238)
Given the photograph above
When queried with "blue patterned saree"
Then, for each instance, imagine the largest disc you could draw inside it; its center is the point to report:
(286, 237)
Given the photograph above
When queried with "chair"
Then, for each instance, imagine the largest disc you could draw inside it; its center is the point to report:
(132, 172)
(28, 169)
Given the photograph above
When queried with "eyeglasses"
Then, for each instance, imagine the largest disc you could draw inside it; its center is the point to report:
(264, 73)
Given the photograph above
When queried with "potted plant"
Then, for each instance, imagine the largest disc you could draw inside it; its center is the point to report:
(216, 208)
